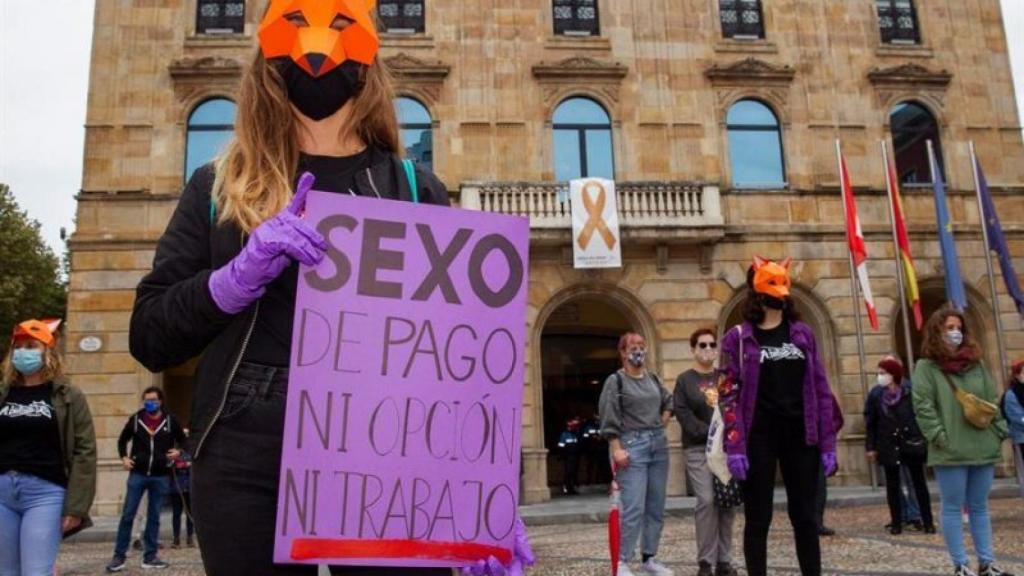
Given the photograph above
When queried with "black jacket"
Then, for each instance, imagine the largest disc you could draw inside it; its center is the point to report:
(893, 432)
(175, 318)
(150, 450)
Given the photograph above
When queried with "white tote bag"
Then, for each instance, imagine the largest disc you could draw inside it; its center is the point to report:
(718, 462)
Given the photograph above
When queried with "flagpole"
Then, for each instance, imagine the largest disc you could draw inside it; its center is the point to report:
(988, 263)
(855, 292)
(900, 281)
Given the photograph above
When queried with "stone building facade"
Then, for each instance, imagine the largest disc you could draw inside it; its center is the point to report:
(492, 76)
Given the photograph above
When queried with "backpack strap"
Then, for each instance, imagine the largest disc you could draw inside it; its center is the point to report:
(410, 175)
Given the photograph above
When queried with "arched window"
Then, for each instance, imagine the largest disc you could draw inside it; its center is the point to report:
(583, 140)
(210, 127)
(912, 126)
(416, 129)
(755, 146)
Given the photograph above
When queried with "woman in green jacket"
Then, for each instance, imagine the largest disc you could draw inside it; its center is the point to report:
(47, 453)
(962, 455)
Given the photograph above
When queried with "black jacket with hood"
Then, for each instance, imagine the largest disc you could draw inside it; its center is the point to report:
(149, 450)
(175, 318)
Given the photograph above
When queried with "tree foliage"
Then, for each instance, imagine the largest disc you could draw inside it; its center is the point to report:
(31, 283)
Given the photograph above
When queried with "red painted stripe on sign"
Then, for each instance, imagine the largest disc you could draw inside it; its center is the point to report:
(328, 549)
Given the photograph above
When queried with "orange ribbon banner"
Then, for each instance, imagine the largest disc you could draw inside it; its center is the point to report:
(595, 221)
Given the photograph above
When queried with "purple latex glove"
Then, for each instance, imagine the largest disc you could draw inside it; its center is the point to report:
(271, 248)
(738, 466)
(522, 558)
(829, 462)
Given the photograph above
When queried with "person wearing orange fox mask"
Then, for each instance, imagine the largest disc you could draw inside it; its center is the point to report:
(315, 104)
(778, 410)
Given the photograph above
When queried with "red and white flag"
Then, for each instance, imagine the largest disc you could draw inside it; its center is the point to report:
(855, 239)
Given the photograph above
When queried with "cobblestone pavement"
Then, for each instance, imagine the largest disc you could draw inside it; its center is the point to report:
(861, 548)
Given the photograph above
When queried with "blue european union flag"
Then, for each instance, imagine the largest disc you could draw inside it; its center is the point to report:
(997, 241)
(955, 292)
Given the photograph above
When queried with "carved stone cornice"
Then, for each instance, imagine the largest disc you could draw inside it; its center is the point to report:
(909, 74)
(580, 67)
(410, 68)
(750, 71)
(204, 69)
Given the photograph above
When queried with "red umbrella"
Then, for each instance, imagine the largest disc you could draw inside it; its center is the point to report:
(614, 540)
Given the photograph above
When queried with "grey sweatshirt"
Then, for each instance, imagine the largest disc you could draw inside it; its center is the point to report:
(640, 408)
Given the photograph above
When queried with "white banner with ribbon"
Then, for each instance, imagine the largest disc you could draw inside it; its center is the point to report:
(595, 224)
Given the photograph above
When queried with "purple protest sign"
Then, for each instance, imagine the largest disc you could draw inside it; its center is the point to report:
(401, 443)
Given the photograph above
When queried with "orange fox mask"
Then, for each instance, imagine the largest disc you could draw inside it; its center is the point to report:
(772, 278)
(44, 331)
(319, 35)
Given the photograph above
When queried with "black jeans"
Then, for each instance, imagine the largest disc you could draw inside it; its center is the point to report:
(776, 441)
(571, 469)
(181, 502)
(819, 504)
(893, 493)
(235, 483)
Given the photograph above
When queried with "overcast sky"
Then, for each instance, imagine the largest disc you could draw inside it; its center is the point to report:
(44, 76)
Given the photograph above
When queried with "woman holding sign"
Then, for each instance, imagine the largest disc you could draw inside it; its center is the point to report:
(314, 99)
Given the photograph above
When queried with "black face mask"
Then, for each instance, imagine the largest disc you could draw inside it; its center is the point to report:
(772, 302)
(320, 97)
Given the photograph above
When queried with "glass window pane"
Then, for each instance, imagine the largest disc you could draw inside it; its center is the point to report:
(203, 147)
(419, 145)
(410, 111)
(751, 113)
(600, 161)
(567, 155)
(756, 158)
(581, 111)
(216, 112)
(912, 127)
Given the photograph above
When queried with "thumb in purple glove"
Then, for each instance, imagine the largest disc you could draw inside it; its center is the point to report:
(738, 466)
(271, 248)
(829, 462)
(522, 558)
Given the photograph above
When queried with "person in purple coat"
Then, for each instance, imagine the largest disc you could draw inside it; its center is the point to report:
(778, 410)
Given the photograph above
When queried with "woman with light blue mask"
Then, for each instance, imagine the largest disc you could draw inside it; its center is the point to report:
(962, 451)
(47, 453)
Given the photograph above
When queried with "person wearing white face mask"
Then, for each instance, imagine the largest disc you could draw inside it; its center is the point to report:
(635, 408)
(47, 453)
(964, 434)
(694, 401)
(893, 439)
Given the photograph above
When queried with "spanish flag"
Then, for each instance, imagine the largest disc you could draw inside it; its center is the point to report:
(913, 294)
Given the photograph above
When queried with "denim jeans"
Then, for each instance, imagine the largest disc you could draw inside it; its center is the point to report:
(235, 483)
(970, 485)
(911, 508)
(642, 491)
(157, 487)
(30, 511)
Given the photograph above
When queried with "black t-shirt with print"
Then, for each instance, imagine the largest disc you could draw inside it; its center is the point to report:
(29, 435)
(780, 391)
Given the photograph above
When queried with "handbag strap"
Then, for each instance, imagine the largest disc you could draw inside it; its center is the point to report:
(956, 389)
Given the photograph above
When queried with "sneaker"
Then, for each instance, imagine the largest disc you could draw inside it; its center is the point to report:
(914, 525)
(963, 570)
(154, 563)
(655, 568)
(826, 531)
(928, 528)
(176, 544)
(704, 569)
(116, 564)
(991, 570)
(624, 570)
(725, 569)
(896, 530)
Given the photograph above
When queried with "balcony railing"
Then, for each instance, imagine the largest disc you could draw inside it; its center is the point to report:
(641, 204)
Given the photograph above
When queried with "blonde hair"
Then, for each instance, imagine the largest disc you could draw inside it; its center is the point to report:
(53, 367)
(255, 174)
